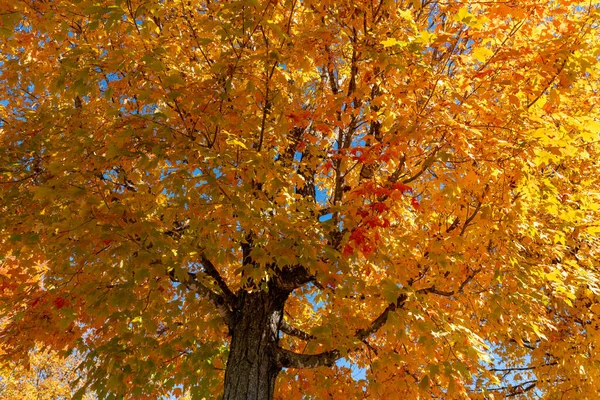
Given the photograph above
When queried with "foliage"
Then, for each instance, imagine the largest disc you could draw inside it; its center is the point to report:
(421, 176)
(47, 376)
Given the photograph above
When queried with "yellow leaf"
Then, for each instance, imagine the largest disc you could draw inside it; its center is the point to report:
(390, 42)
(481, 54)
(425, 37)
(555, 276)
(236, 142)
(463, 15)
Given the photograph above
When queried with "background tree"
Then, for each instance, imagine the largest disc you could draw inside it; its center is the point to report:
(46, 376)
(221, 197)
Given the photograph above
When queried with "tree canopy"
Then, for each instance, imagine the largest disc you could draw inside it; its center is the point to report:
(46, 375)
(229, 198)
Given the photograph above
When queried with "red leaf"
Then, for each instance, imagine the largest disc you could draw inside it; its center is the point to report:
(372, 222)
(379, 207)
(362, 158)
(362, 213)
(327, 167)
(59, 303)
(348, 250)
(415, 203)
(402, 187)
(367, 249)
(357, 236)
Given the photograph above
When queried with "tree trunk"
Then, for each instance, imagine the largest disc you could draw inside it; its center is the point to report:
(252, 365)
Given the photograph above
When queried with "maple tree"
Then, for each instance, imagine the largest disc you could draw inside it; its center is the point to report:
(229, 198)
(46, 376)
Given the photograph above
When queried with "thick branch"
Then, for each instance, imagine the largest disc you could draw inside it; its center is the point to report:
(209, 267)
(291, 278)
(382, 318)
(193, 284)
(290, 330)
(289, 359)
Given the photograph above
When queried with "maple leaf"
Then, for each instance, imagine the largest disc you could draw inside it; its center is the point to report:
(402, 187)
(59, 303)
(415, 203)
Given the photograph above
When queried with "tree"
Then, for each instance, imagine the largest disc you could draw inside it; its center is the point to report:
(231, 197)
(47, 376)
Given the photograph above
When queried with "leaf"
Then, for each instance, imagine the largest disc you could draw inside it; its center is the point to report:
(415, 203)
(42, 192)
(390, 42)
(463, 15)
(236, 142)
(481, 54)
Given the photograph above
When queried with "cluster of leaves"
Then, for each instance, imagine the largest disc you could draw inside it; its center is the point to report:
(46, 375)
(430, 165)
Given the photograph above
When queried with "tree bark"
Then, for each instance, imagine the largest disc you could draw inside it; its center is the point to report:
(252, 366)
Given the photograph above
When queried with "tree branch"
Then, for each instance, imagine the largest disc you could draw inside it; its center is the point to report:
(289, 359)
(469, 278)
(290, 330)
(550, 82)
(521, 388)
(426, 164)
(211, 270)
(475, 212)
(291, 278)
(209, 267)
(470, 219)
(522, 368)
(382, 318)
(193, 284)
